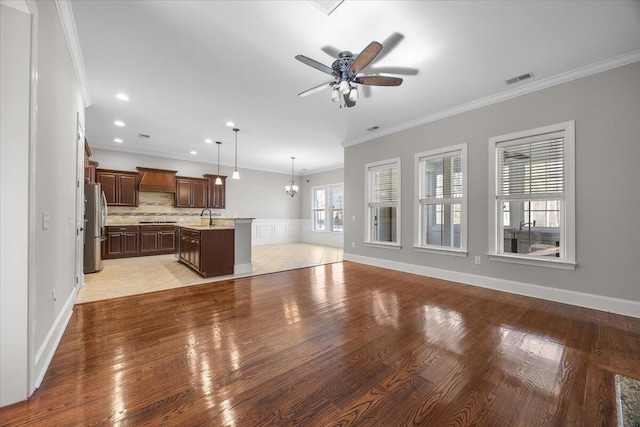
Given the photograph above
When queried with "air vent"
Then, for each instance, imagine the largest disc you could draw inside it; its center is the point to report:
(143, 136)
(372, 128)
(518, 78)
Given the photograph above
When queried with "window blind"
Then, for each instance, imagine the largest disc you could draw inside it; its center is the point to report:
(440, 177)
(383, 184)
(532, 168)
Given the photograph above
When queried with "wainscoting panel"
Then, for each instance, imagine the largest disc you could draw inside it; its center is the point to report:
(270, 231)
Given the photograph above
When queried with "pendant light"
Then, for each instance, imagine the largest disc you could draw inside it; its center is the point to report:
(292, 189)
(236, 174)
(218, 179)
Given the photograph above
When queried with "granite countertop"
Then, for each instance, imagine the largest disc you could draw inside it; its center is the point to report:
(203, 227)
(628, 397)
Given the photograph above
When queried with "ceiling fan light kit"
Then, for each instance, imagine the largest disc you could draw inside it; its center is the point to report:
(345, 71)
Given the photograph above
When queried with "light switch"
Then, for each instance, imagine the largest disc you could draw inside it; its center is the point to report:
(353, 218)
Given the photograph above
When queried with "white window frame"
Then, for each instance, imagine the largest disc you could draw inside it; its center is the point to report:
(313, 209)
(368, 220)
(567, 215)
(328, 209)
(420, 246)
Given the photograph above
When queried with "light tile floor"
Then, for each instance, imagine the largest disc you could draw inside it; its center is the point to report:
(131, 276)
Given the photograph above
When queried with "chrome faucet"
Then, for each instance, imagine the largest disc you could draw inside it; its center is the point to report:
(210, 216)
(522, 224)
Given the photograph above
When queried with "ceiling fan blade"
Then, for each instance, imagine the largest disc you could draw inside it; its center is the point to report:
(348, 102)
(366, 56)
(315, 64)
(316, 89)
(379, 81)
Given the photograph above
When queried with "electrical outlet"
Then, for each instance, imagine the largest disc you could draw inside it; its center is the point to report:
(46, 220)
(353, 244)
(478, 260)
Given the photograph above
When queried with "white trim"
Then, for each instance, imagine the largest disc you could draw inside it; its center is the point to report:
(417, 211)
(69, 28)
(580, 299)
(50, 344)
(382, 245)
(568, 229)
(367, 222)
(537, 262)
(441, 251)
(558, 79)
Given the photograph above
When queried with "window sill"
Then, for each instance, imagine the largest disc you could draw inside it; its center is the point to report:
(548, 263)
(441, 251)
(393, 246)
(327, 232)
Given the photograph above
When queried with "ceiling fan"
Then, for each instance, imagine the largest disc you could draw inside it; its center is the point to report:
(345, 71)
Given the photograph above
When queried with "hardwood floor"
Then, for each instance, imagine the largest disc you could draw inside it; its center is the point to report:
(339, 344)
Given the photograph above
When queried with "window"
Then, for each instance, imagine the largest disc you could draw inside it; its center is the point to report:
(383, 203)
(318, 208)
(532, 197)
(441, 200)
(336, 207)
(327, 202)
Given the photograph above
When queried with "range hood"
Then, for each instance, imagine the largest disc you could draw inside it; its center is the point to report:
(157, 180)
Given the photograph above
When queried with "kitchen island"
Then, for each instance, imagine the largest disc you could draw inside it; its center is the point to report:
(223, 248)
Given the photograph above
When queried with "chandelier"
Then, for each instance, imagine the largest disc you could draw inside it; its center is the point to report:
(292, 189)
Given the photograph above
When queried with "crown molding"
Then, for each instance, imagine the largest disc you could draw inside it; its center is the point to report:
(578, 73)
(69, 28)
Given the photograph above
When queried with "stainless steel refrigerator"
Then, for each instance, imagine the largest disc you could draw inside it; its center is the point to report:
(95, 217)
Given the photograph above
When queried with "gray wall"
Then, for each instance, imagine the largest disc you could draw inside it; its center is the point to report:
(15, 43)
(606, 110)
(58, 103)
(256, 194)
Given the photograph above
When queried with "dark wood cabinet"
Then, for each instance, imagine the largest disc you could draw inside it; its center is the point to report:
(120, 188)
(217, 193)
(209, 252)
(191, 192)
(122, 241)
(157, 239)
(132, 240)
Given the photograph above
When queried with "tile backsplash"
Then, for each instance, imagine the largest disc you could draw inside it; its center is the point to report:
(155, 207)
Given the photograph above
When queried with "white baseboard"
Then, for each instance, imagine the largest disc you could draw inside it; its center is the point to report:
(581, 299)
(46, 351)
(243, 268)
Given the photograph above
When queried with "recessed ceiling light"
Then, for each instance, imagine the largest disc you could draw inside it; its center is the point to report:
(230, 124)
(122, 97)
(118, 140)
(194, 152)
(118, 123)
(208, 141)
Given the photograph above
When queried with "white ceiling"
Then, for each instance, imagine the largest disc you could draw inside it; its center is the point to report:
(190, 66)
